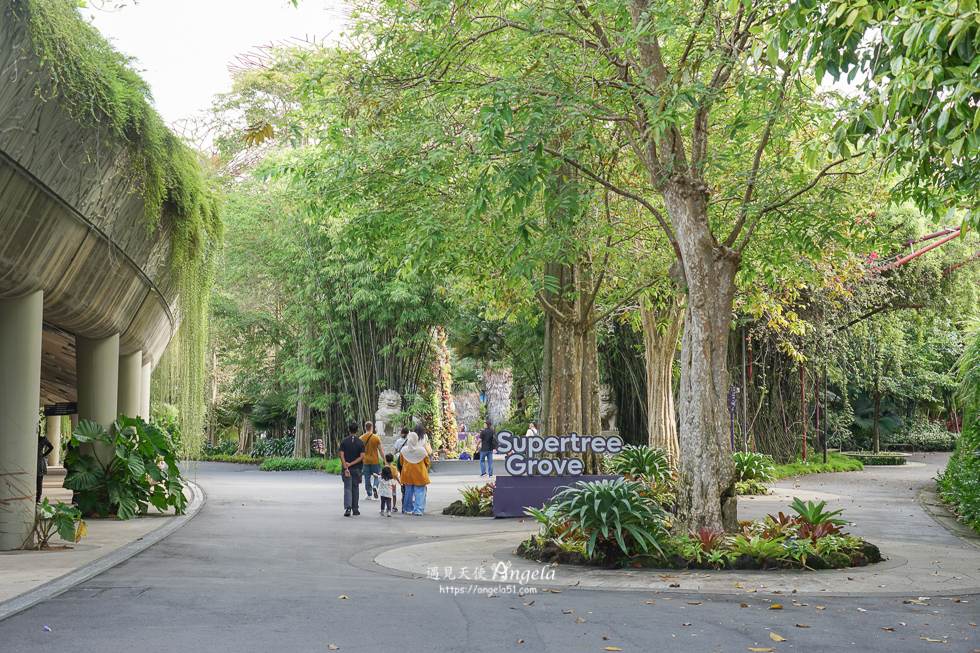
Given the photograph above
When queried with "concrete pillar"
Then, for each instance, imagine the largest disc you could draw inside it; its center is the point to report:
(97, 374)
(145, 392)
(53, 424)
(130, 376)
(20, 387)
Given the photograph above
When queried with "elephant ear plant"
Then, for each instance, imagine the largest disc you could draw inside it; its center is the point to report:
(137, 467)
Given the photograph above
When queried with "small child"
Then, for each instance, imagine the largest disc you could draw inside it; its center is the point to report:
(386, 490)
(390, 462)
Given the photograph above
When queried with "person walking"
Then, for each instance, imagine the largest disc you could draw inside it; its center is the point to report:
(399, 443)
(414, 473)
(374, 453)
(352, 462)
(488, 440)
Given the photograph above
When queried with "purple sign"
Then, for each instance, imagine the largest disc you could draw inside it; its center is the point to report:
(513, 494)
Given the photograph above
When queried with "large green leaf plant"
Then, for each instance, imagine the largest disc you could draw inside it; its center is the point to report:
(123, 470)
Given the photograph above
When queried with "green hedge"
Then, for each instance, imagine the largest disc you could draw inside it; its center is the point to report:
(329, 465)
(959, 483)
(226, 458)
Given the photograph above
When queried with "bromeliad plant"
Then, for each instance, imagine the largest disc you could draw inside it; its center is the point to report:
(751, 466)
(643, 463)
(614, 516)
(124, 470)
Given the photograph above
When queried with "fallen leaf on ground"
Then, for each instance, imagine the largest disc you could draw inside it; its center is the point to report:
(928, 639)
(760, 650)
(613, 648)
(802, 626)
(520, 641)
(686, 624)
(579, 620)
(886, 628)
(738, 585)
(333, 647)
(776, 638)
(556, 591)
(743, 605)
(820, 607)
(775, 606)
(861, 610)
(650, 602)
(341, 597)
(694, 602)
(567, 611)
(675, 584)
(531, 603)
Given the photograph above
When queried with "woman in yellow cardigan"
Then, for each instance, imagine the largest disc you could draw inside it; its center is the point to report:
(415, 474)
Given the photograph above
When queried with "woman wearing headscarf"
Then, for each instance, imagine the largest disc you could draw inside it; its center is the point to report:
(415, 474)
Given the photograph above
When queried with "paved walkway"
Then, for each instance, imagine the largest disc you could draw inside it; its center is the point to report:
(269, 563)
(893, 507)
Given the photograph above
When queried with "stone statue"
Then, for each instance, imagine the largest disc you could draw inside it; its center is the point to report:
(389, 403)
(608, 411)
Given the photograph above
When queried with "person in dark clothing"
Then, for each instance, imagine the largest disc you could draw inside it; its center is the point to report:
(488, 440)
(44, 447)
(352, 460)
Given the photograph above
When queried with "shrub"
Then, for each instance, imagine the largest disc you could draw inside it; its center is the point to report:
(272, 448)
(613, 514)
(141, 469)
(642, 462)
(751, 466)
(222, 458)
(221, 448)
(925, 435)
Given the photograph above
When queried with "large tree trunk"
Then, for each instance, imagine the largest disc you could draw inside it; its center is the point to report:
(571, 403)
(705, 492)
(498, 384)
(661, 330)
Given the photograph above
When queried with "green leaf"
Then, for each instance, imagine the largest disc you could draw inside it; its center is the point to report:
(89, 431)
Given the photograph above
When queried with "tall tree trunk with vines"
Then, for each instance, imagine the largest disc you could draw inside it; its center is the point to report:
(571, 375)
(661, 331)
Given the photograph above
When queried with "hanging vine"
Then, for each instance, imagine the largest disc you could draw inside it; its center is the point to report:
(98, 88)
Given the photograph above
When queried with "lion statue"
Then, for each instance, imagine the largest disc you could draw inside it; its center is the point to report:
(389, 403)
(608, 411)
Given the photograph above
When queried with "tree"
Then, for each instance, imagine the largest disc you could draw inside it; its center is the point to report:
(678, 108)
(915, 67)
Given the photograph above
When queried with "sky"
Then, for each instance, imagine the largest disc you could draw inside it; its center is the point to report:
(184, 47)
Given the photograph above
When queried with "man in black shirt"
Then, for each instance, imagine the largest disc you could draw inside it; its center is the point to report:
(487, 442)
(352, 460)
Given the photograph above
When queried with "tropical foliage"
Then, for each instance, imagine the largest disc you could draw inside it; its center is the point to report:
(124, 470)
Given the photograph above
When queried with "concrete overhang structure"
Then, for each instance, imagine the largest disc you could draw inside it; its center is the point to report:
(87, 288)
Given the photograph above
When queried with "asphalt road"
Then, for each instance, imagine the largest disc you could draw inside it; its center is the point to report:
(270, 563)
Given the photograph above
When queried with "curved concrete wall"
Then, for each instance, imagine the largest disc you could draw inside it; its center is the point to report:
(71, 220)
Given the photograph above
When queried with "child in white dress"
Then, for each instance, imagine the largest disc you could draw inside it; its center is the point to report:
(386, 489)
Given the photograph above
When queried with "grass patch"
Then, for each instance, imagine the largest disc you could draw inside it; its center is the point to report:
(815, 465)
(328, 465)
